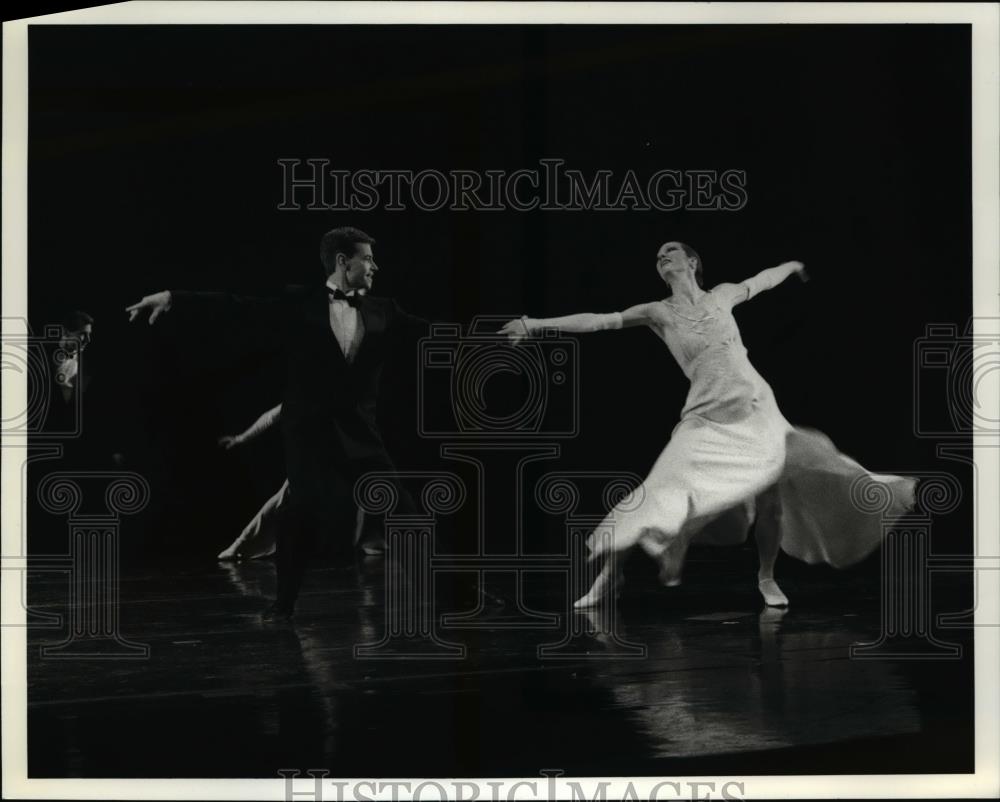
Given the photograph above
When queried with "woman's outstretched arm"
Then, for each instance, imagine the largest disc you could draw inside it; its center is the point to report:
(257, 428)
(581, 323)
(765, 280)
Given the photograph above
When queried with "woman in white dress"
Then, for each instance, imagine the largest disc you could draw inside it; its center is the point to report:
(732, 448)
(258, 537)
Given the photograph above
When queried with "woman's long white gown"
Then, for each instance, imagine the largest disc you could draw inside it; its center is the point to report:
(259, 537)
(732, 444)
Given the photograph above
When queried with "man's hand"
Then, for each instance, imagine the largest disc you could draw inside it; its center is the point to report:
(228, 442)
(156, 304)
(516, 330)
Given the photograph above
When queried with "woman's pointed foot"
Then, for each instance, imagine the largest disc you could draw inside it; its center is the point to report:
(606, 582)
(669, 576)
(589, 599)
(228, 555)
(773, 597)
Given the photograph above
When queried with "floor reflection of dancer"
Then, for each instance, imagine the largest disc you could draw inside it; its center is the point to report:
(731, 445)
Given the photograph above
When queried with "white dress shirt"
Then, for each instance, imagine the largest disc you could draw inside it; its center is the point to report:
(66, 376)
(345, 322)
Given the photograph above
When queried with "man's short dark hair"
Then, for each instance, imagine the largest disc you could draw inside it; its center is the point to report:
(691, 253)
(76, 319)
(343, 240)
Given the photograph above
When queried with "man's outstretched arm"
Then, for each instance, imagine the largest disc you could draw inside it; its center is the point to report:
(408, 324)
(255, 310)
(255, 321)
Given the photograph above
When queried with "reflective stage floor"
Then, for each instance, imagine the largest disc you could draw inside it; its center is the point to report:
(697, 679)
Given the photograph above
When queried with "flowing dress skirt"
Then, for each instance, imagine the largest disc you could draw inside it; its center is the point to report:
(703, 486)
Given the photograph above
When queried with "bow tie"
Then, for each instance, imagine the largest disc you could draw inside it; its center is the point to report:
(339, 295)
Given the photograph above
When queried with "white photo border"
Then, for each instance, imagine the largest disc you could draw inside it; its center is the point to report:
(985, 25)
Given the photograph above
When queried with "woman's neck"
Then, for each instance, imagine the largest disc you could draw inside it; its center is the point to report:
(684, 289)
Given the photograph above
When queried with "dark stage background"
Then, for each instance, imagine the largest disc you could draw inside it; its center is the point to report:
(154, 164)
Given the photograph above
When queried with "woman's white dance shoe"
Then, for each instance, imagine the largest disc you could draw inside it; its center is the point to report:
(598, 592)
(773, 597)
(591, 599)
(670, 576)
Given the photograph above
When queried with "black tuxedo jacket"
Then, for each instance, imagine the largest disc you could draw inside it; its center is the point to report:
(328, 408)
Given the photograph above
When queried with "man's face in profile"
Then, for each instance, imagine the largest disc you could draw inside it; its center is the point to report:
(75, 341)
(361, 268)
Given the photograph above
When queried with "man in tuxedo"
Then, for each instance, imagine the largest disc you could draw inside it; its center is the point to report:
(73, 402)
(76, 328)
(334, 340)
(66, 382)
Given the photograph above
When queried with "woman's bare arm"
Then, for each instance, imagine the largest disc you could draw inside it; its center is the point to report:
(257, 428)
(581, 323)
(768, 279)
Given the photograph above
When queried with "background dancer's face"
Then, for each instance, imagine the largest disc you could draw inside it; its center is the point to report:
(76, 340)
(360, 269)
(671, 259)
